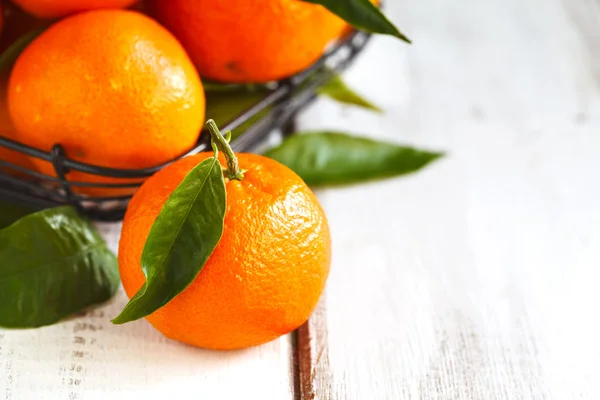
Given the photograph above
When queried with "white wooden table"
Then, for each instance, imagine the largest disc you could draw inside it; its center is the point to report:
(475, 279)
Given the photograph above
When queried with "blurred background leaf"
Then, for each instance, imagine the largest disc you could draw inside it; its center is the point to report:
(337, 90)
(334, 158)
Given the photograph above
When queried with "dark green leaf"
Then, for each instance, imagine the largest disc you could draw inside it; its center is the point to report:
(329, 158)
(53, 263)
(224, 106)
(10, 55)
(181, 239)
(337, 89)
(12, 212)
(363, 15)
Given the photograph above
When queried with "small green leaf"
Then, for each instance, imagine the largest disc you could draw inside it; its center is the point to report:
(337, 89)
(224, 106)
(363, 15)
(181, 239)
(329, 158)
(53, 263)
(10, 55)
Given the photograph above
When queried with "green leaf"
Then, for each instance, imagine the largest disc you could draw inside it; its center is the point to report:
(330, 158)
(224, 106)
(337, 89)
(362, 14)
(53, 263)
(181, 239)
(10, 55)
(11, 212)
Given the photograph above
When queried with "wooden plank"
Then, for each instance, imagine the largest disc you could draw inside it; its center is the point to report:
(88, 358)
(477, 278)
(314, 375)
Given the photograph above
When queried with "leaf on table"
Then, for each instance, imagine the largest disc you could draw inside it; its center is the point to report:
(181, 239)
(362, 14)
(331, 158)
(53, 263)
(337, 89)
(10, 55)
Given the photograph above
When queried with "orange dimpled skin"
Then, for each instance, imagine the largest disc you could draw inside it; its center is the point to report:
(249, 41)
(7, 130)
(113, 87)
(60, 8)
(266, 274)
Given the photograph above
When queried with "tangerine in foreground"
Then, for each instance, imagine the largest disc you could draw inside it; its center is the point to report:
(266, 274)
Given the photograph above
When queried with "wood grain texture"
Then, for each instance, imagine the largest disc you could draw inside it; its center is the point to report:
(314, 375)
(477, 278)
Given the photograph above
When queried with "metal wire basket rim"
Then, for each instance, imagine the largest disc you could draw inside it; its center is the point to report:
(283, 89)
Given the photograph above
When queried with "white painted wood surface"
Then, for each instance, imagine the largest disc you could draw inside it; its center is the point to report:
(475, 279)
(478, 278)
(88, 358)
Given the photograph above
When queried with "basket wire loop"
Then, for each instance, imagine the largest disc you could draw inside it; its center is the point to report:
(58, 162)
(281, 103)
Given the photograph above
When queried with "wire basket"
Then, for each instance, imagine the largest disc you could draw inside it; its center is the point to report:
(274, 111)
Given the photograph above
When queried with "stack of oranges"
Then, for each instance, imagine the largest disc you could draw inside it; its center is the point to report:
(118, 83)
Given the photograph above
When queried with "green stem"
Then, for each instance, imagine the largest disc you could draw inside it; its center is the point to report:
(233, 169)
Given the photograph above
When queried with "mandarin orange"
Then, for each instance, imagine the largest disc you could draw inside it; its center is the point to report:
(8, 130)
(61, 8)
(113, 87)
(266, 274)
(249, 41)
